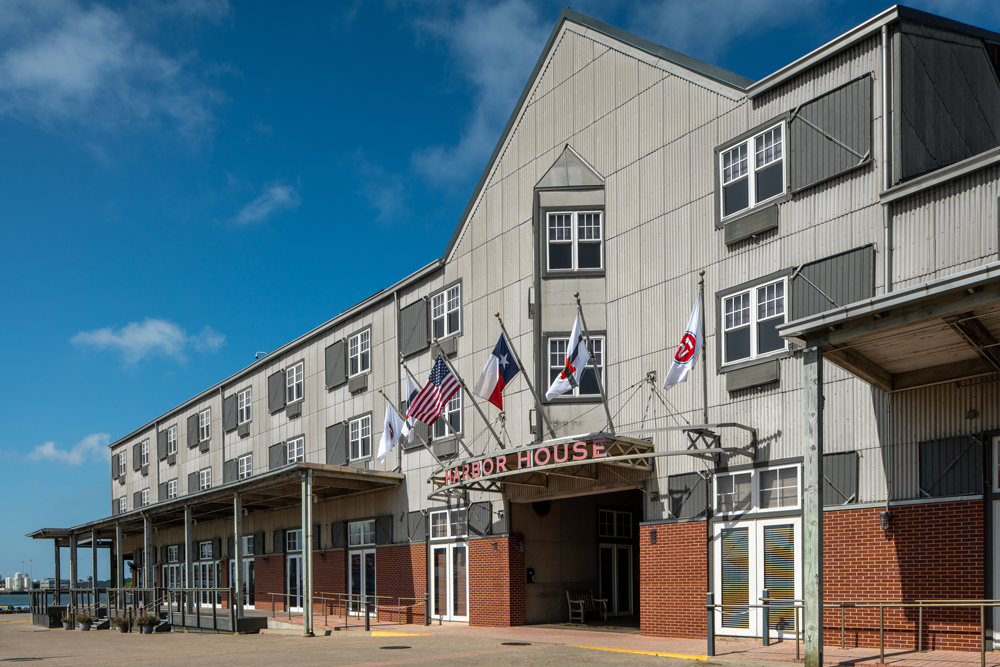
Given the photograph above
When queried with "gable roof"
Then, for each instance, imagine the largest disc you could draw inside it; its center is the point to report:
(570, 171)
(713, 72)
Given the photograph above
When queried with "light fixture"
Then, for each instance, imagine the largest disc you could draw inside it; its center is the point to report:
(244, 511)
(884, 519)
(259, 355)
(971, 414)
(494, 547)
(652, 536)
(520, 546)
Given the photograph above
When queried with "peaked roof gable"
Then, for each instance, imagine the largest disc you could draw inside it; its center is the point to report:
(570, 171)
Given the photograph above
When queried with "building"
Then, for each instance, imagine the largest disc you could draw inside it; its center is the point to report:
(841, 420)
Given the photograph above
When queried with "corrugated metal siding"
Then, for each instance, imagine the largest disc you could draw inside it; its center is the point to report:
(951, 467)
(840, 484)
(687, 495)
(844, 278)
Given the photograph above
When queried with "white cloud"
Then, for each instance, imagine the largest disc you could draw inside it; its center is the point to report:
(275, 197)
(93, 447)
(384, 191)
(62, 62)
(152, 336)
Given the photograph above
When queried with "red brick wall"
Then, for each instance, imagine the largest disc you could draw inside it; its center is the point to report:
(269, 577)
(673, 579)
(402, 574)
(933, 551)
(329, 579)
(496, 582)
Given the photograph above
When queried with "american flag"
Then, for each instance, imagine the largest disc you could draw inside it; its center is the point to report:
(441, 386)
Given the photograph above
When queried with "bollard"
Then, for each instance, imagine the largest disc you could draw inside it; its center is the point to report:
(766, 632)
(709, 607)
(368, 619)
(427, 608)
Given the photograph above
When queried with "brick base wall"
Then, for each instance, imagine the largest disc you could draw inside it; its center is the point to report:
(673, 579)
(402, 574)
(269, 577)
(496, 582)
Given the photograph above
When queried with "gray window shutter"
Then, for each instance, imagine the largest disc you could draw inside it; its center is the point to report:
(830, 135)
(137, 500)
(161, 491)
(229, 413)
(163, 554)
(480, 519)
(337, 535)
(217, 547)
(840, 478)
(317, 535)
(336, 445)
(336, 364)
(413, 330)
(951, 467)
(843, 278)
(195, 551)
(416, 526)
(383, 529)
(231, 546)
(279, 541)
(193, 430)
(114, 466)
(229, 471)
(688, 495)
(180, 554)
(276, 456)
(114, 507)
(192, 482)
(258, 544)
(161, 445)
(136, 456)
(276, 392)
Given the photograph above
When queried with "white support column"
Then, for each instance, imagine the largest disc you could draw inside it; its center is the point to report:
(237, 583)
(188, 558)
(812, 507)
(307, 596)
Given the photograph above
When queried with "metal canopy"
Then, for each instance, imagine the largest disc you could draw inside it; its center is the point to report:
(940, 331)
(275, 489)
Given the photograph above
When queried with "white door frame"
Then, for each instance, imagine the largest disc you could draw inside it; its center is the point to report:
(244, 579)
(449, 550)
(995, 478)
(354, 608)
(612, 595)
(297, 558)
(201, 567)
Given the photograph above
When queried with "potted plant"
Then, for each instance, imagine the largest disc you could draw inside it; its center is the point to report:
(147, 622)
(85, 620)
(67, 619)
(122, 623)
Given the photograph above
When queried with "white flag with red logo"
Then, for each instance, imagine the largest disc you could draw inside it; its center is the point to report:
(391, 430)
(577, 358)
(687, 351)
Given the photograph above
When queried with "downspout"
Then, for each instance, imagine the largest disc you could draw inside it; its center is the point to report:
(886, 163)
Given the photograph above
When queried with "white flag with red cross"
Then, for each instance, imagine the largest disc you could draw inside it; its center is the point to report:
(687, 351)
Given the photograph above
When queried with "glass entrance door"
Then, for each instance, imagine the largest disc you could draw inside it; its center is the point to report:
(205, 576)
(293, 580)
(450, 582)
(246, 581)
(361, 569)
(616, 578)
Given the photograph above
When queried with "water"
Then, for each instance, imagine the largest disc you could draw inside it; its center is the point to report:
(14, 599)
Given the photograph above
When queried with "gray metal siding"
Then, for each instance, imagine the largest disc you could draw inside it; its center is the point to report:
(845, 114)
(336, 364)
(844, 278)
(951, 467)
(688, 495)
(840, 478)
(413, 331)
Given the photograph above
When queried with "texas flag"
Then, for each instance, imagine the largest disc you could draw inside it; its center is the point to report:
(499, 371)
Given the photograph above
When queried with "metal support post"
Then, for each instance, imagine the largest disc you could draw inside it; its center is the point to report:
(593, 362)
(427, 608)
(710, 609)
(73, 574)
(812, 507)
(368, 618)
(526, 373)
(447, 423)
(93, 568)
(188, 559)
(307, 551)
(237, 601)
(147, 552)
(468, 393)
(119, 565)
(57, 596)
(766, 613)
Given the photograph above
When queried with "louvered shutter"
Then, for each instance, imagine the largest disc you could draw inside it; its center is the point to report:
(316, 537)
(137, 500)
(163, 554)
(229, 471)
(336, 365)
(383, 529)
(276, 392)
(231, 546)
(192, 482)
(736, 577)
(114, 507)
(193, 430)
(229, 413)
(413, 331)
(217, 547)
(336, 445)
(276, 456)
(279, 541)
(258, 544)
(114, 466)
(136, 457)
(779, 574)
(337, 535)
(195, 551)
(161, 491)
(161, 445)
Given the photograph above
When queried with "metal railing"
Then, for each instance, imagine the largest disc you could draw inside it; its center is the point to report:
(77, 599)
(362, 606)
(769, 604)
(188, 604)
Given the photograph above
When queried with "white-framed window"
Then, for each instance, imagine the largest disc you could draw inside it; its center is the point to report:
(588, 381)
(205, 425)
(451, 523)
(122, 505)
(751, 319)
(296, 448)
(446, 312)
(173, 554)
(248, 545)
(575, 241)
(361, 533)
(171, 489)
(359, 353)
(752, 171)
(244, 466)
(452, 414)
(144, 453)
(293, 540)
(614, 524)
(360, 431)
(172, 440)
(758, 490)
(294, 383)
(121, 463)
(204, 479)
(145, 497)
(244, 406)
(205, 550)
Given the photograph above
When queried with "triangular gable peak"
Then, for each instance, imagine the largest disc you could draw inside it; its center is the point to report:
(570, 171)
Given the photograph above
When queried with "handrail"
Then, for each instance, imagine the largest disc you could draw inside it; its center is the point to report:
(188, 601)
(344, 600)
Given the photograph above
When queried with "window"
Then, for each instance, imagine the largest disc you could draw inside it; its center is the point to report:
(758, 490)
(359, 352)
(293, 382)
(205, 550)
(172, 439)
(614, 524)
(361, 437)
(244, 408)
(121, 464)
(361, 533)
(122, 505)
(296, 448)
(293, 540)
(173, 554)
(450, 523)
(171, 489)
(751, 321)
(446, 311)
(574, 241)
(452, 414)
(752, 171)
(248, 545)
(244, 466)
(145, 497)
(204, 479)
(205, 425)
(588, 381)
(144, 451)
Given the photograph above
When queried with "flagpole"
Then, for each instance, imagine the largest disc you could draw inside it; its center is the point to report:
(526, 373)
(465, 387)
(593, 361)
(704, 353)
(446, 422)
(422, 441)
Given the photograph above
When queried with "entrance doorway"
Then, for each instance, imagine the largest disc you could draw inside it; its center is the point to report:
(361, 572)
(246, 580)
(996, 541)
(450, 582)
(615, 564)
(293, 581)
(205, 576)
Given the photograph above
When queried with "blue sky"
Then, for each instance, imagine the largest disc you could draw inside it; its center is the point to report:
(187, 182)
